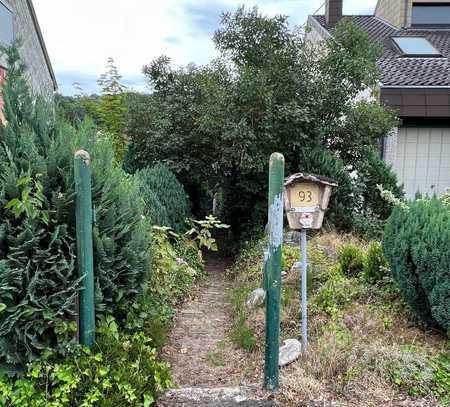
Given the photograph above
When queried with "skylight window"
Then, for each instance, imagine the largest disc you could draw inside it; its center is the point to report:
(431, 14)
(416, 46)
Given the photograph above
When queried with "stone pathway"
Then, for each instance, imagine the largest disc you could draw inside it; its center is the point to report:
(207, 369)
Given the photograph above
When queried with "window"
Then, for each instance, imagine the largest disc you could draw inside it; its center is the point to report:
(431, 14)
(6, 25)
(416, 46)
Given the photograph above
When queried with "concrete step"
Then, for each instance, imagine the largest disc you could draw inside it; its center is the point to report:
(214, 397)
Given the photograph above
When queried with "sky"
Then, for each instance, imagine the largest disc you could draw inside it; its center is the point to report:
(80, 35)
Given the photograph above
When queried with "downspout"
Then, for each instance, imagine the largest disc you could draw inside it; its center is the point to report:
(405, 24)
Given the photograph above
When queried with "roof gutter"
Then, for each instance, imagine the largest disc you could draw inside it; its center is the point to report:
(42, 42)
(412, 87)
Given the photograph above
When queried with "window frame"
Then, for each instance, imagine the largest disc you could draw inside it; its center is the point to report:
(415, 55)
(429, 25)
(11, 10)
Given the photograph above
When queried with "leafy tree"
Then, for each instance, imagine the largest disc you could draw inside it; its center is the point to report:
(216, 125)
(112, 109)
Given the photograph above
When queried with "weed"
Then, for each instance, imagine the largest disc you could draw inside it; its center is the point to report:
(242, 335)
(375, 264)
(351, 259)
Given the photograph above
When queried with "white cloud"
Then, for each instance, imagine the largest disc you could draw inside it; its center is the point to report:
(81, 34)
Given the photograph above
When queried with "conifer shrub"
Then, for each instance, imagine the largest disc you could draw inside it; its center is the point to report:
(343, 202)
(38, 276)
(154, 209)
(416, 244)
(170, 193)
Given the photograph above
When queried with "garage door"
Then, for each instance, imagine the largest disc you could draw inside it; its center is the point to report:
(422, 161)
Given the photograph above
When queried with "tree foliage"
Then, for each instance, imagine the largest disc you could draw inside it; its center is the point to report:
(269, 90)
(112, 109)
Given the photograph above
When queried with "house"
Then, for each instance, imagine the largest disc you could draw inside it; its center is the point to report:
(18, 21)
(414, 82)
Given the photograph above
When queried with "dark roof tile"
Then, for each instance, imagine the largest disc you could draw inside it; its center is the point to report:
(397, 70)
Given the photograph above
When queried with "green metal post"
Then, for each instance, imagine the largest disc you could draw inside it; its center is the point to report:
(85, 257)
(273, 270)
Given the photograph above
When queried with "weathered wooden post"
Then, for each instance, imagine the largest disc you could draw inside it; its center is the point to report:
(273, 270)
(85, 256)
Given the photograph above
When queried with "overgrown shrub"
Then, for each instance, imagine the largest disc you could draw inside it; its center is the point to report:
(38, 277)
(216, 125)
(416, 244)
(176, 265)
(336, 292)
(375, 264)
(373, 171)
(121, 370)
(351, 259)
(170, 193)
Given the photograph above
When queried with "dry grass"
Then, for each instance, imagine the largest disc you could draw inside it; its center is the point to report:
(349, 352)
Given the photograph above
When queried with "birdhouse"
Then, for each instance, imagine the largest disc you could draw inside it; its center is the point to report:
(306, 198)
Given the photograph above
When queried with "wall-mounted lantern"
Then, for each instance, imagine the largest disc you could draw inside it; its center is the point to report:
(306, 199)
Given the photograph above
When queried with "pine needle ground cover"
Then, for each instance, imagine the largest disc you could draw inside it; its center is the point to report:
(366, 345)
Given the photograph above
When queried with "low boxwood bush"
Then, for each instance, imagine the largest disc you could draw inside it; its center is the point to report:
(166, 201)
(416, 244)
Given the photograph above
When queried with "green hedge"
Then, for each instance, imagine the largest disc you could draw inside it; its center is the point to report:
(166, 201)
(417, 246)
(38, 277)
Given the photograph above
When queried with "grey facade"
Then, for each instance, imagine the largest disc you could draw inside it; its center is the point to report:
(33, 51)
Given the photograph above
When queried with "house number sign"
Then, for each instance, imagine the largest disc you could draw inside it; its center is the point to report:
(305, 195)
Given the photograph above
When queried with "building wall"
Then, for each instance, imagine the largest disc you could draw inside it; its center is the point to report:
(315, 33)
(393, 11)
(31, 50)
(422, 159)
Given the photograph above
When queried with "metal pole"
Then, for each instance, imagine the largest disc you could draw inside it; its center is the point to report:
(85, 256)
(273, 270)
(304, 254)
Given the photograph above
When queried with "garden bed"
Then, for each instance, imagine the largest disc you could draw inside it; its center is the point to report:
(365, 345)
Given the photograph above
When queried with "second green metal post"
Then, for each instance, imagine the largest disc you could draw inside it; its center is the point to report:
(273, 270)
(85, 256)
